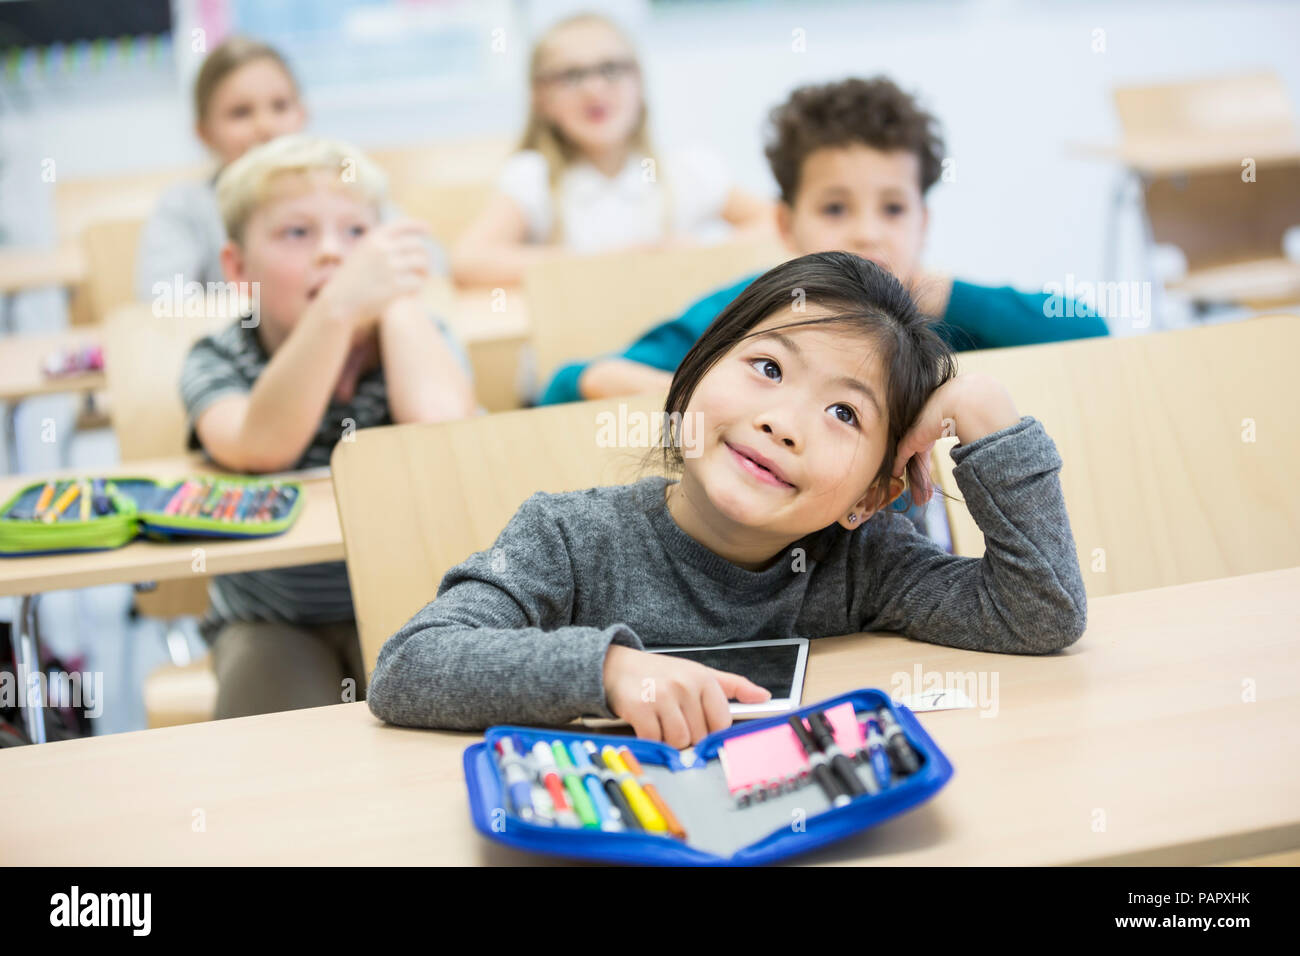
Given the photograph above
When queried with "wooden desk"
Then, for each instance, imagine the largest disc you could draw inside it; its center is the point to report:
(24, 269)
(1172, 156)
(21, 359)
(1143, 720)
(21, 377)
(314, 537)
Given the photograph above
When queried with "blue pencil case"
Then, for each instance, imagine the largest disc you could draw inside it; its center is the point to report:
(777, 823)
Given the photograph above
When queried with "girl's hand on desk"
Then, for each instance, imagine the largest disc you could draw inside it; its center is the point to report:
(968, 406)
(687, 701)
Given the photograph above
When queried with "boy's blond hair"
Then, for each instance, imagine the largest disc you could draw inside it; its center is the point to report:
(246, 183)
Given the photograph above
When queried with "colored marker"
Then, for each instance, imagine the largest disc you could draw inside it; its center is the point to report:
(902, 754)
(820, 771)
(843, 767)
(610, 818)
(235, 496)
(517, 783)
(85, 500)
(670, 818)
(578, 795)
(68, 496)
(642, 805)
(612, 790)
(266, 507)
(197, 497)
(219, 512)
(878, 754)
(102, 505)
(43, 502)
(178, 498)
(543, 805)
(254, 492)
(544, 761)
(210, 504)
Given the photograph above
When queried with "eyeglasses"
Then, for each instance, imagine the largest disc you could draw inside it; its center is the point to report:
(611, 71)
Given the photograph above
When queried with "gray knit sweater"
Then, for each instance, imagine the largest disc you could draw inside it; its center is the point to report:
(518, 633)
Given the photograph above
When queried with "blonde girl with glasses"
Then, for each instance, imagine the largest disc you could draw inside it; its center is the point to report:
(586, 178)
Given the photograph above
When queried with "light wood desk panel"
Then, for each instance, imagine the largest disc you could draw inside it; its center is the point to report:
(1142, 720)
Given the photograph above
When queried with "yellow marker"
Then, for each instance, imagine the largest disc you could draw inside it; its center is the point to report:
(670, 818)
(636, 797)
(59, 506)
(43, 502)
(85, 501)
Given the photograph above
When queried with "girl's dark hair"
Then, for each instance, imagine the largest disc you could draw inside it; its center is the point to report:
(859, 296)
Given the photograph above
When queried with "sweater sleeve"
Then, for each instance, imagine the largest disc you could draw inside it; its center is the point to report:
(496, 645)
(1024, 596)
(980, 317)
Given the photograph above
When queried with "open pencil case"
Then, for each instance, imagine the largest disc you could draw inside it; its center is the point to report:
(95, 514)
(720, 826)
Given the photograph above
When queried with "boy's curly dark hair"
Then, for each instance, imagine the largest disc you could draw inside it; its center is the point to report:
(861, 298)
(872, 112)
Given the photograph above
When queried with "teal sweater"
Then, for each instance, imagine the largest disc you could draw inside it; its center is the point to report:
(978, 317)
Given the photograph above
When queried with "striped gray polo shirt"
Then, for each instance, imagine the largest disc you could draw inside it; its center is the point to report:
(230, 362)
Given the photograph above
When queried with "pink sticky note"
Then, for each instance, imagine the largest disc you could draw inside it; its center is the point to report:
(775, 754)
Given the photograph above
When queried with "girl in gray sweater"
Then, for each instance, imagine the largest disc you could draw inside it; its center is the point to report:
(808, 406)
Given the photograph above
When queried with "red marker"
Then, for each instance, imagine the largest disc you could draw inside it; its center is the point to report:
(229, 513)
(545, 762)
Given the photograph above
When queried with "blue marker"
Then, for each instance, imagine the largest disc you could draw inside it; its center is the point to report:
(517, 782)
(610, 818)
(877, 753)
(245, 506)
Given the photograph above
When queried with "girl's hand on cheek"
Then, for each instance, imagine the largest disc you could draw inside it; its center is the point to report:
(666, 698)
(968, 406)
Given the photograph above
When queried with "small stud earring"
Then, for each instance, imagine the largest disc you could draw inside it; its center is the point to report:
(853, 519)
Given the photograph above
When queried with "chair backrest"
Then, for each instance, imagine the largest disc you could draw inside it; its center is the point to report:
(115, 201)
(1180, 450)
(80, 202)
(444, 184)
(1238, 106)
(447, 208)
(143, 355)
(450, 161)
(1212, 215)
(582, 306)
(447, 490)
(109, 247)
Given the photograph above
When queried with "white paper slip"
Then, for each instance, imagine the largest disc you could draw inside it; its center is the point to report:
(949, 698)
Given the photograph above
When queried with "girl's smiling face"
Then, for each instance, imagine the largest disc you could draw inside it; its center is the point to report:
(794, 429)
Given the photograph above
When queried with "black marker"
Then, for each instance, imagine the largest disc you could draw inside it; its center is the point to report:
(611, 787)
(843, 767)
(821, 773)
(902, 754)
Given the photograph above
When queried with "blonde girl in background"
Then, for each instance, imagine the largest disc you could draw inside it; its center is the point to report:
(586, 178)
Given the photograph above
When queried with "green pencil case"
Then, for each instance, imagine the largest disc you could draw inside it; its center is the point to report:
(122, 509)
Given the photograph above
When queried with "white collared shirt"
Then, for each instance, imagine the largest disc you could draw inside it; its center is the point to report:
(604, 213)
